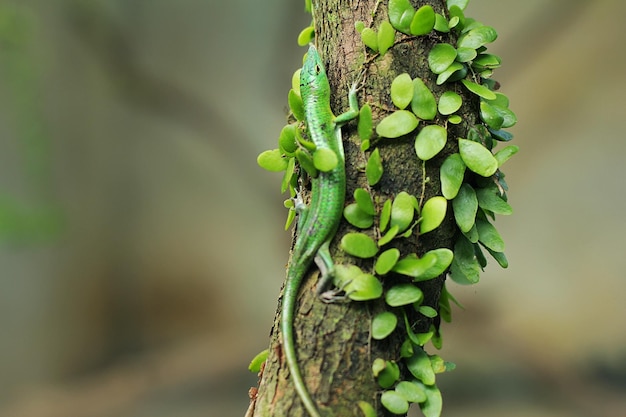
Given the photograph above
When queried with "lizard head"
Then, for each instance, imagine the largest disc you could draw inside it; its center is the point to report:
(313, 81)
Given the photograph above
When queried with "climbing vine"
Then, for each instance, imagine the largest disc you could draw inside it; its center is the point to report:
(473, 187)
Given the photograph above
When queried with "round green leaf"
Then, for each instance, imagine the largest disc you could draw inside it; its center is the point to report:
(345, 274)
(272, 160)
(452, 172)
(295, 81)
(287, 139)
(306, 36)
(434, 402)
(359, 245)
(257, 361)
(489, 236)
(504, 154)
(433, 213)
(465, 54)
(491, 116)
(306, 162)
(401, 14)
(420, 367)
(412, 392)
(364, 126)
(428, 311)
(455, 119)
(402, 90)
(394, 402)
(441, 56)
(385, 215)
(464, 269)
(386, 37)
(388, 237)
(430, 141)
(383, 325)
(488, 199)
(325, 159)
(364, 287)
(461, 4)
(477, 158)
(415, 267)
(374, 168)
(486, 61)
(479, 90)
(403, 294)
(443, 259)
(465, 206)
(423, 21)
(386, 261)
(295, 104)
(423, 103)
(449, 102)
(388, 375)
(477, 37)
(454, 72)
(367, 409)
(364, 200)
(357, 217)
(370, 38)
(359, 26)
(402, 211)
(398, 123)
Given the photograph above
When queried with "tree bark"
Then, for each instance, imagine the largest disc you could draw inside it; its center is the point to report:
(335, 350)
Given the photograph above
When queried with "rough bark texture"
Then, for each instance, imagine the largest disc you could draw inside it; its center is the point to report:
(334, 345)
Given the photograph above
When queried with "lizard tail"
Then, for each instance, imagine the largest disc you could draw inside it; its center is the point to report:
(290, 295)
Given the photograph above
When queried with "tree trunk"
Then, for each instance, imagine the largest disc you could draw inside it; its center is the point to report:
(335, 349)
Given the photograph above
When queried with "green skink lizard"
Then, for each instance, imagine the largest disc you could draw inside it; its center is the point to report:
(317, 224)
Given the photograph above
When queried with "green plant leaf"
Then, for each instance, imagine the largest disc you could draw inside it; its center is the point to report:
(367, 409)
(386, 261)
(364, 200)
(488, 199)
(365, 125)
(441, 23)
(357, 217)
(364, 287)
(359, 245)
(295, 81)
(374, 168)
(383, 325)
(359, 26)
(443, 259)
(433, 213)
(504, 154)
(325, 159)
(479, 90)
(386, 37)
(388, 375)
(258, 360)
(401, 14)
(398, 123)
(289, 179)
(370, 38)
(461, 4)
(430, 141)
(412, 392)
(486, 61)
(403, 294)
(415, 267)
(449, 103)
(454, 72)
(465, 54)
(385, 215)
(500, 257)
(394, 402)
(464, 269)
(491, 115)
(402, 90)
(477, 158)
(296, 105)
(489, 236)
(420, 367)
(434, 402)
(287, 139)
(455, 119)
(306, 162)
(452, 172)
(477, 37)
(388, 237)
(272, 160)
(465, 206)
(402, 211)
(428, 311)
(441, 56)
(306, 36)
(423, 21)
(345, 274)
(423, 103)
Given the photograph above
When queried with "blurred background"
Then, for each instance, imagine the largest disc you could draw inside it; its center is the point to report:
(142, 251)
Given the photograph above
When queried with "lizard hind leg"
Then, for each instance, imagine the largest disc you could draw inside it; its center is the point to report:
(325, 263)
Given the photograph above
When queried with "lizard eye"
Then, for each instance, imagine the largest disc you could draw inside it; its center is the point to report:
(318, 69)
